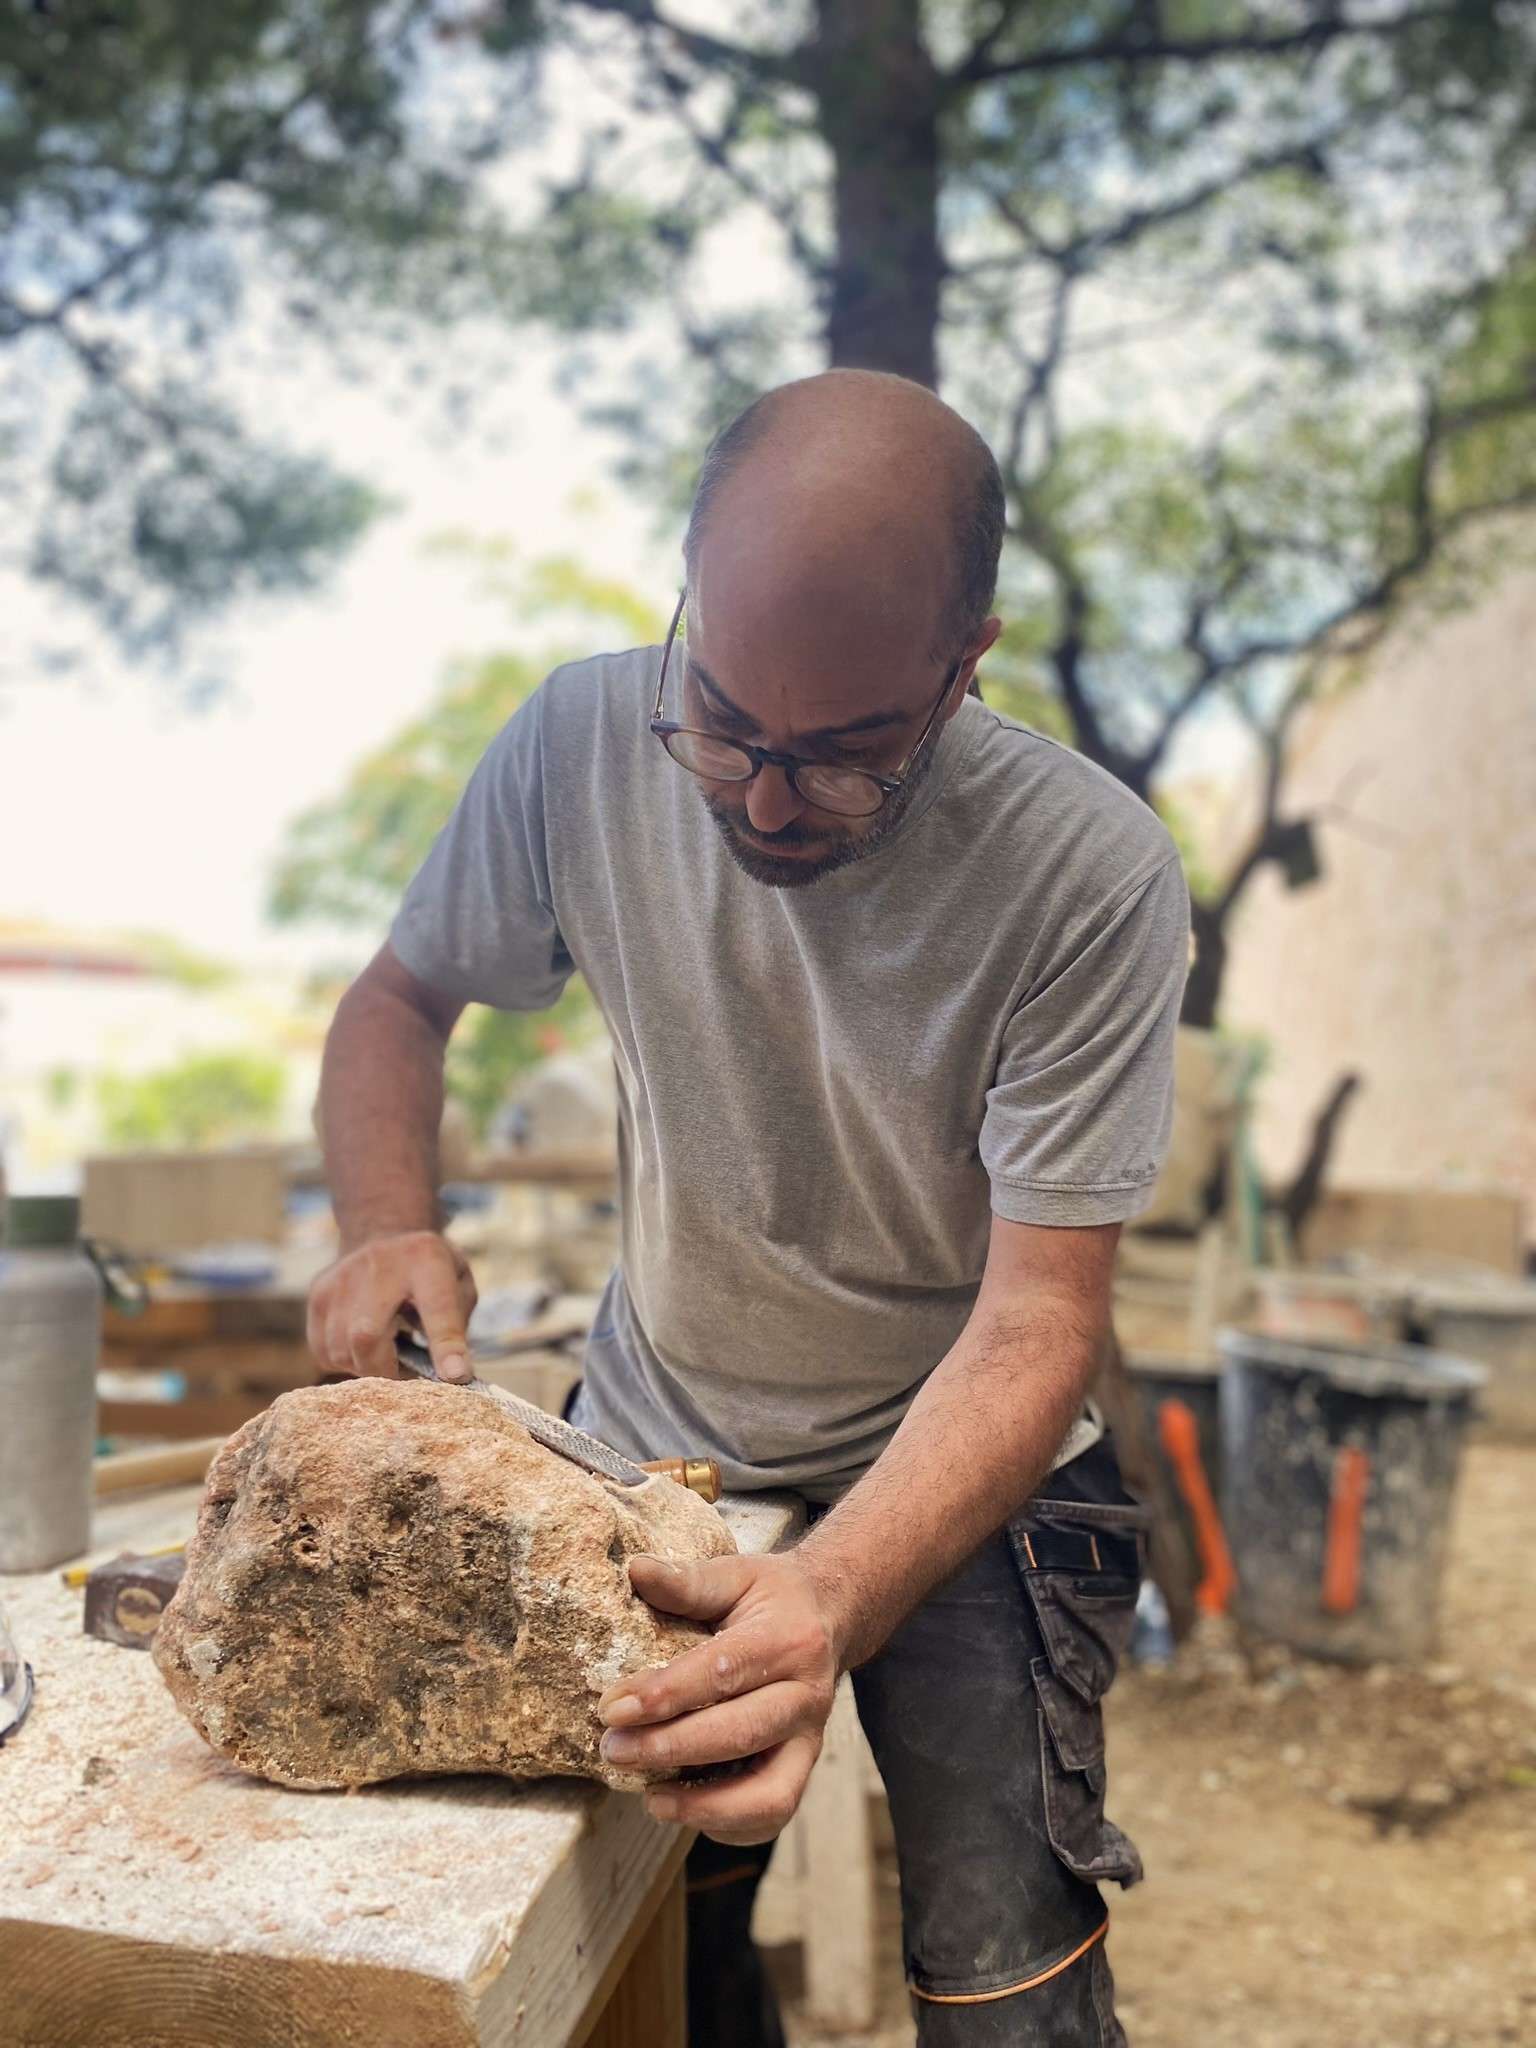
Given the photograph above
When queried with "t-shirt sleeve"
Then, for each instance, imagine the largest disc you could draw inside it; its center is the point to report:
(1079, 1112)
(478, 921)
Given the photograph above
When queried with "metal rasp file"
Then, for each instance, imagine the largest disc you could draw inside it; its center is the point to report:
(699, 1475)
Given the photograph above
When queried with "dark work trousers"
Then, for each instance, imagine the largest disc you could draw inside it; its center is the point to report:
(984, 1715)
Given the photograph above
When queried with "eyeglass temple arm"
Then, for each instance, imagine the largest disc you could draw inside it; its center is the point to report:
(666, 652)
(974, 689)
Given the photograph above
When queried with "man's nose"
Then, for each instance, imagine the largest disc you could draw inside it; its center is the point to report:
(771, 803)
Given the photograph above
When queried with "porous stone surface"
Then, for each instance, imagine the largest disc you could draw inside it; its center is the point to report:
(392, 1578)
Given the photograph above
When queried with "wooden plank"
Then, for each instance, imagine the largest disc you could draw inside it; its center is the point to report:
(178, 1314)
(596, 1169)
(164, 1319)
(642, 1999)
(150, 1203)
(778, 1911)
(460, 1913)
(593, 1169)
(1487, 1228)
(66, 1989)
(220, 1367)
(837, 1913)
(555, 1326)
(208, 1415)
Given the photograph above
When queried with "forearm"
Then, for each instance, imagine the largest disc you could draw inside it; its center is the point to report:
(970, 1450)
(380, 1109)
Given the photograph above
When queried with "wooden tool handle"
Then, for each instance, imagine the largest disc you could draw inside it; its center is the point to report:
(175, 1463)
(699, 1475)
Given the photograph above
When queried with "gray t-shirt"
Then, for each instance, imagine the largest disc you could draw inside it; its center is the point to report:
(822, 1091)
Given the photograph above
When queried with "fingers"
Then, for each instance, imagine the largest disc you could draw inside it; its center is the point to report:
(437, 1299)
(736, 1661)
(752, 1806)
(706, 1591)
(371, 1347)
(720, 1734)
(356, 1305)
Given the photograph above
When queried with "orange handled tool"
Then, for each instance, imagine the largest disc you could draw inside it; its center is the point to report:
(1179, 1434)
(1346, 1528)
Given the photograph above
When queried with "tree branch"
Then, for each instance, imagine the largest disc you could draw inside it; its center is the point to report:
(716, 52)
(1071, 645)
(980, 68)
(716, 150)
(1089, 243)
(1266, 842)
(1041, 370)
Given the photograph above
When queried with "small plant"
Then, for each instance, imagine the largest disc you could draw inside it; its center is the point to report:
(214, 1098)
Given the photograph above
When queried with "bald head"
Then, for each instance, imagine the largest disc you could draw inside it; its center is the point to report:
(855, 487)
(841, 560)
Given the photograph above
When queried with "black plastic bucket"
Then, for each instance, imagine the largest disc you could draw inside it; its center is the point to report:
(1340, 1469)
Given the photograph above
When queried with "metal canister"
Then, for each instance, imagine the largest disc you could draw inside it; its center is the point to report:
(50, 1345)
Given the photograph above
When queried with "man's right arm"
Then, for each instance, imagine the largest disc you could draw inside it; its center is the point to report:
(381, 1104)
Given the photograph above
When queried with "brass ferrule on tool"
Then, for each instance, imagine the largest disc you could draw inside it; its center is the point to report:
(699, 1475)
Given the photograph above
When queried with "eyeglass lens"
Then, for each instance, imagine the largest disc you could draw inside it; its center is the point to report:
(847, 791)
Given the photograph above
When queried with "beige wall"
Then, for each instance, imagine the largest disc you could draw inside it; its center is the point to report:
(1414, 959)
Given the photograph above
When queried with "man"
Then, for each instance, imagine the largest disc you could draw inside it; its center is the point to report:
(892, 986)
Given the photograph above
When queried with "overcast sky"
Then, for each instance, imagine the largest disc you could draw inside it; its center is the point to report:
(119, 807)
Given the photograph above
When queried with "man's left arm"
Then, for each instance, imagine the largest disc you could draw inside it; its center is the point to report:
(969, 1452)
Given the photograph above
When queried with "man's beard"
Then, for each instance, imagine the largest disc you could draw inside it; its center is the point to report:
(784, 871)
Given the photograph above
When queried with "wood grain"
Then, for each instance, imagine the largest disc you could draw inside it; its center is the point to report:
(175, 1465)
(157, 1202)
(64, 1988)
(641, 2000)
(837, 1925)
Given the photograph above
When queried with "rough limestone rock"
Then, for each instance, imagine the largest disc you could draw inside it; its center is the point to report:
(392, 1578)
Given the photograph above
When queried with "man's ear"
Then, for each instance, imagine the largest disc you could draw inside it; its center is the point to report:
(986, 638)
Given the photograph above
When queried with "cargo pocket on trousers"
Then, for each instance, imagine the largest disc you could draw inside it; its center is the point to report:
(1072, 1778)
(1085, 1624)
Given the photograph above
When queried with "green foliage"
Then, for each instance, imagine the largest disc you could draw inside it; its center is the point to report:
(349, 860)
(204, 1099)
(158, 161)
(144, 152)
(172, 961)
(492, 1047)
(156, 531)
(61, 1088)
(1015, 677)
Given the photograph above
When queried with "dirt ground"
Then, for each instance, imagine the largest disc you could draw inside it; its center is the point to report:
(1335, 1859)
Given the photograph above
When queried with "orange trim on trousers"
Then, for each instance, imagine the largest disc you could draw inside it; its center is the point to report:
(1010, 1990)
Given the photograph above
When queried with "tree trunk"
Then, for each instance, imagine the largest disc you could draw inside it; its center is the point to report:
(1202, 992)
(1305, 1191)
(878, 94)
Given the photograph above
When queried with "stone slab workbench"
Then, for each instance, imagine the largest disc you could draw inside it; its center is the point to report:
(151, 1896)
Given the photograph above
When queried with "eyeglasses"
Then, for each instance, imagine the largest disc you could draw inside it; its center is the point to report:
(846, 792)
